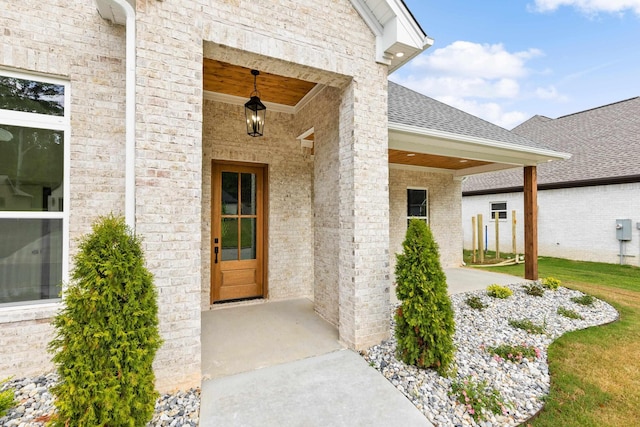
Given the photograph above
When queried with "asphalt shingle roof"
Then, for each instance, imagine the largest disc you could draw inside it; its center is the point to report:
(412, 108)
(604, 143)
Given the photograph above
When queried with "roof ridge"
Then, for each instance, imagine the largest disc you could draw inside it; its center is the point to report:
(599, 107)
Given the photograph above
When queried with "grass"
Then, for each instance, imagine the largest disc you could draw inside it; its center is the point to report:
(595, 372)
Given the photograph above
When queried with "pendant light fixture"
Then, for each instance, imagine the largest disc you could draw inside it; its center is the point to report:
(255, 110)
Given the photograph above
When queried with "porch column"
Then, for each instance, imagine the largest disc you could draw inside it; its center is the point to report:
(363, 282)
(530, 223)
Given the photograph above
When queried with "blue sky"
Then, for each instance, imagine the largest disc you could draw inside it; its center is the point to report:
(508, 60)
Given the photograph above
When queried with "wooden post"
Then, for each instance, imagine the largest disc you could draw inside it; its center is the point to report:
(475, 241)
(497, 218)
(513, 233)
(530, 223)
(480, 239)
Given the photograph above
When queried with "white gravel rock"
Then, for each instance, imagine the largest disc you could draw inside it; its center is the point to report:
(523, 385)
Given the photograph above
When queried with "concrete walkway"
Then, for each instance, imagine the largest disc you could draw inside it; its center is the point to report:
(279, 364)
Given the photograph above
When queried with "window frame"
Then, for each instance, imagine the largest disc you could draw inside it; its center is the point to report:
(409, 217)
(48, 122)
(499, 211)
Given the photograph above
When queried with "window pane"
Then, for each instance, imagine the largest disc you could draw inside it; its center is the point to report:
(31, 169)
(31, 96)
(416, 202)
(248, 193)
(229, 239)
(248, 239)
(30, 259)
(229, 193)
(502, 206)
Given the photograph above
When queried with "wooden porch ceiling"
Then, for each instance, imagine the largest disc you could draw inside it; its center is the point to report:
(229, 79)
(432, 161)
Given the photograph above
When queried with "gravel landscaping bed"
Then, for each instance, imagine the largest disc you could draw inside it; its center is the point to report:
(524, 385)
(35, 405)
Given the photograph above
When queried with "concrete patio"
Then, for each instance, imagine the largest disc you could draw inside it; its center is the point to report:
(279, 364)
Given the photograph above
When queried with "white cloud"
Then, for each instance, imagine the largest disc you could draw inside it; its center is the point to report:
(589, 6)
(464, 58)
(550, 93)
(490, 111)
(476, 78)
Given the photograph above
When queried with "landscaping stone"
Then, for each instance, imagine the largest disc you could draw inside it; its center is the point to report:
(523, 384)
(35, 405)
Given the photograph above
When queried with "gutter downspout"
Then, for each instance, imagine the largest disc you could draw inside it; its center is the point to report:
(130, 114)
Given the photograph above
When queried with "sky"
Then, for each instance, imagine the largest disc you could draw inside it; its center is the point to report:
(508, 60)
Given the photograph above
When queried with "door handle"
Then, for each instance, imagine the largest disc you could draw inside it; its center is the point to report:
(215, 251)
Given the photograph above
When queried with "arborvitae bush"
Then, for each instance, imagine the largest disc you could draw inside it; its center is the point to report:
(107, 333)
(424, 321)
(7, 400)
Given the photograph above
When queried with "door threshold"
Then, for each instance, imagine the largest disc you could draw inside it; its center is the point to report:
(237, 303)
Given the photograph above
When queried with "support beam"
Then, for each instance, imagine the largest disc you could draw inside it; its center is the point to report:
(530, 223)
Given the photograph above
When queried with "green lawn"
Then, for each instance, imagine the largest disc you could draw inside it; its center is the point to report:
(595, 373)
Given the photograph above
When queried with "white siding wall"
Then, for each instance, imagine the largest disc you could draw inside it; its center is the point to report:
(574, 223)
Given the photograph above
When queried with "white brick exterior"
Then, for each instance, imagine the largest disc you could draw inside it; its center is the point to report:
(574, 223)
(329, 217)
(444, 211)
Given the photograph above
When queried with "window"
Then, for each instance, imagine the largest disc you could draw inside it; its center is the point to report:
(417, 204)
(34, 152)
(499, 208)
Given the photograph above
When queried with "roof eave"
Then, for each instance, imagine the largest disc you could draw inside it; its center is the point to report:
(431, 141)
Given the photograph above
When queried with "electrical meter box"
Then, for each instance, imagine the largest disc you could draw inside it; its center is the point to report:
(623, 229)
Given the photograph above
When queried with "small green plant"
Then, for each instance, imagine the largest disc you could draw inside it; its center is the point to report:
(534, 289)
(571, 314)
(475, 302)
(424, 321)
(514, 353)
(7, 398)
(498, 291)
(107, 333)
(586, 300)
(528, 325)
(551, 283)
(478, 398)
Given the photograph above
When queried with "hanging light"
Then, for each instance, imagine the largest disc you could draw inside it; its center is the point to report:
(255, 110)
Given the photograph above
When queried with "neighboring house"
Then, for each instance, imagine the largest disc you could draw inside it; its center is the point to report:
(147, 119)
(580, 199)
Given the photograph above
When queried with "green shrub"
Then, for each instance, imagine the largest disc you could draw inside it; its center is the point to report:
(584, 300)
(478, 398)
(528, 325)
(514, 353)
(7, 399)
(551, 283)
(571, 314)
(107, 333)
(534, 289)
(475, 302)
(498, 291)
(424, 321)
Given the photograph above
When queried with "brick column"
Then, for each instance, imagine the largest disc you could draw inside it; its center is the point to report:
(364, 212)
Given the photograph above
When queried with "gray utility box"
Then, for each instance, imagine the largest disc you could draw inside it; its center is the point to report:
(623, 229)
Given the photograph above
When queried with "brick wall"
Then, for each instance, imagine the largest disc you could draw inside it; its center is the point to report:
(321, 41)
(44, 37)
(290, 246)
(444, 212)
(573, 223)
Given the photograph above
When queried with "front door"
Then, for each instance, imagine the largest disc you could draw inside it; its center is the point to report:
(237, 231)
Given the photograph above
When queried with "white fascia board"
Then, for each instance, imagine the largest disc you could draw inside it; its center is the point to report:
(113, 13)
(422, 140)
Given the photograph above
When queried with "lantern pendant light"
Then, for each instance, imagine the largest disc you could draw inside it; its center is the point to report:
(254, 110)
